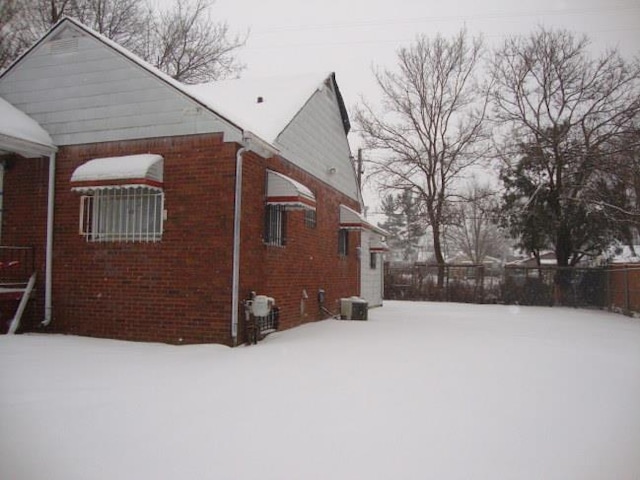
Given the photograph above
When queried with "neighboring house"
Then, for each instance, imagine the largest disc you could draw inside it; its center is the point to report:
(492, 265)
(547, 259)
(156, 208)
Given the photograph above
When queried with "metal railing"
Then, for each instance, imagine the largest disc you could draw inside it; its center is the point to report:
(17, 264)
(259, 327)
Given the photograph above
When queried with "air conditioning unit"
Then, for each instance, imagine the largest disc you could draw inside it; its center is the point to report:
(353, 308)
(359, 309)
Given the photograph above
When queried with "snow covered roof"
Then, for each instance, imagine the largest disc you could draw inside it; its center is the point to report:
(19, 133)
(264, 106)
(237, 100)
(623, 254)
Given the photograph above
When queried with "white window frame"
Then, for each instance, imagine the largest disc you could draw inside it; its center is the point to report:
(122, 214)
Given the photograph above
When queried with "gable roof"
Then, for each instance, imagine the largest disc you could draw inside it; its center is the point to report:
(232, 100)
(19, 133)
(265, 105)
(286, 122)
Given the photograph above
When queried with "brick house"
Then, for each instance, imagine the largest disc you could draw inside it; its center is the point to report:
(156, 208)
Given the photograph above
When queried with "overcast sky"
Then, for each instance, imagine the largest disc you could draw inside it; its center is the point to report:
(348, 37)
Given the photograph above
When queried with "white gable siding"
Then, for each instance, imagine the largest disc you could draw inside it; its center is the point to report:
(315, 141)
(82, 91)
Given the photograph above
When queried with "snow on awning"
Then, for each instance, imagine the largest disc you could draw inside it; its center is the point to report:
(19, 133)
(282, 190)
(351, 220)
(378, 244)
(129, 171)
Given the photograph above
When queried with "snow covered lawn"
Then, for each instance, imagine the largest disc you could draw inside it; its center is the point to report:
(421, 391)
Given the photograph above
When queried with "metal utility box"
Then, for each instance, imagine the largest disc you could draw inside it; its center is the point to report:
(359, 310)
(353, 308)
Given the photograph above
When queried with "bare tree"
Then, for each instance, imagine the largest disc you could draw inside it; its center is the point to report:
(119, 20)
(564, 114)
(474, 231)
(191, 47)
(12, 28)
(183, 41)
(431, 124)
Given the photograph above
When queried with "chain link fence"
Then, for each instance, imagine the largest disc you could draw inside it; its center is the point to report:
(615, 287)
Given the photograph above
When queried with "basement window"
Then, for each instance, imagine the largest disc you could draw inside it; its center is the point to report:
(275, 225)
(127, 214)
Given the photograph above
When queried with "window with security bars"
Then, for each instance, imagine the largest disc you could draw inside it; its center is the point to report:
(310, 219)
(122, 215)
(275, 225)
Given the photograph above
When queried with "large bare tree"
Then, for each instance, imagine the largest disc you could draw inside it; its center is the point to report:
(192, 47)
(430, 127)
(184, 41)
(563, 115)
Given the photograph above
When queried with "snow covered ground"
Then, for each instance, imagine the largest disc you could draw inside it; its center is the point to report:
(421, 391)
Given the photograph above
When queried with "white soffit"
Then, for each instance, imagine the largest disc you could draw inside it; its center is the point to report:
(283, 190)
(130, 170)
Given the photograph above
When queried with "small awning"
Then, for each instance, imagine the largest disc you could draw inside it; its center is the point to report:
(378, 244)
(282, 190)
(130, 171)
(350, 219)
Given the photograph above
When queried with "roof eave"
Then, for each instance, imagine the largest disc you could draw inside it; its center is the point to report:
(343, 109)
(25, 147)
(144, 66)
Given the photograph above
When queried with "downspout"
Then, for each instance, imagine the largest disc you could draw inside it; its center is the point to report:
(237, 213)
(49, 245)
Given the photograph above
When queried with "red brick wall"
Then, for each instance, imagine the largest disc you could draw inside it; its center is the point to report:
(178, 290)
(309, 261)
(24, 220)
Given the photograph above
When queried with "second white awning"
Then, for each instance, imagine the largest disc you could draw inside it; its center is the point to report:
(283, 190)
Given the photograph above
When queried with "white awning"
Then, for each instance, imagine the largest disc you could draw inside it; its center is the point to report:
(378, 244)
(144, 170)
(282, 190)
(350, 219)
